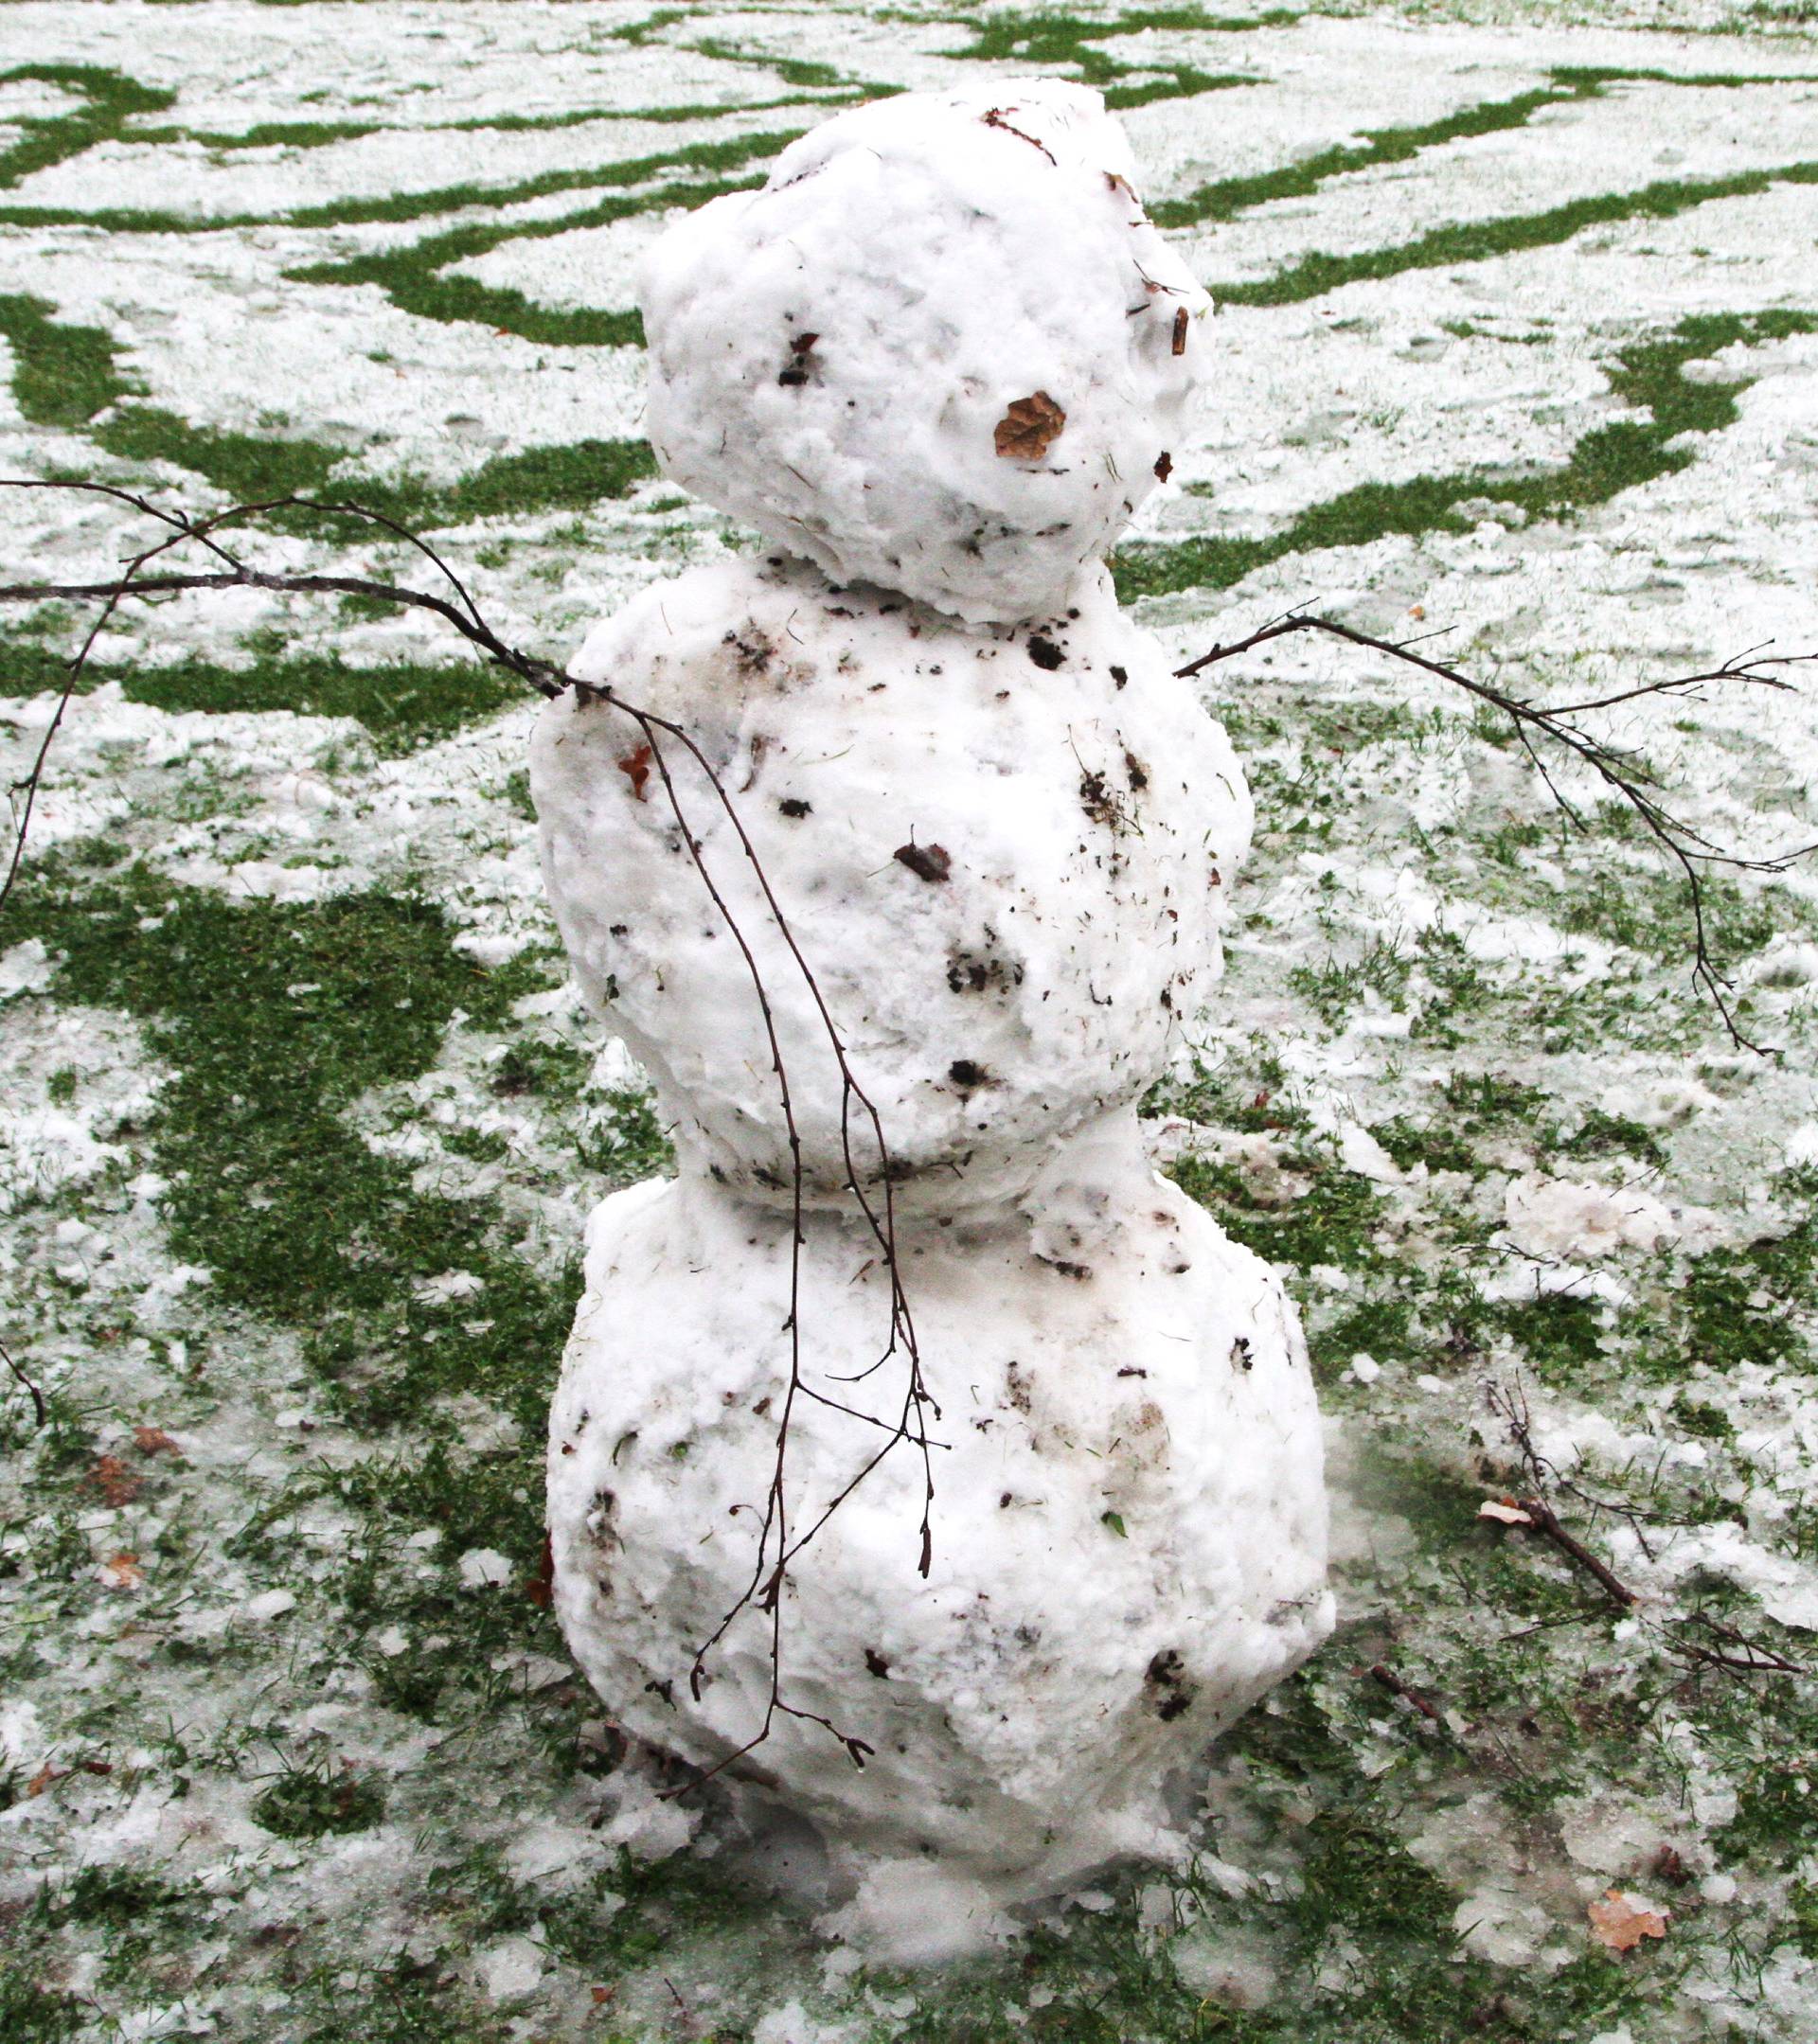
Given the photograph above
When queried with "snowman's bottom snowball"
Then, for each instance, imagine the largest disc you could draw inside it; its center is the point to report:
(1129, 1517)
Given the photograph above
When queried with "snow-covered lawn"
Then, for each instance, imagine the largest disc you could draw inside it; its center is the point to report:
(300, 1117)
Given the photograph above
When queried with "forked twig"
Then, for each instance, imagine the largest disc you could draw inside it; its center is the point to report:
(1551, 723)
(1734, 1653)
(31, 1390)
(1737, 1654)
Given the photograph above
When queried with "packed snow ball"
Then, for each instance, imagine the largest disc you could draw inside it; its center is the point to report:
(942, 350)
(1009, 853)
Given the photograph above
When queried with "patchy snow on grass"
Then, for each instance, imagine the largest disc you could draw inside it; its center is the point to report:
(301, 1117)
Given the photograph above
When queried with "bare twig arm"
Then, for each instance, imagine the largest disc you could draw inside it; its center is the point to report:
(777, 1544)
(1551, 723)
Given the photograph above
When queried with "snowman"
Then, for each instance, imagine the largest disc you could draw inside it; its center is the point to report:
(923, 1464)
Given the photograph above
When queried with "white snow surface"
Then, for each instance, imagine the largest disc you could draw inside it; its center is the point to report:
(1497, 364)
(837, 358)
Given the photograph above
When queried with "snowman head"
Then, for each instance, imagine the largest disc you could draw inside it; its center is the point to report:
(942, 350)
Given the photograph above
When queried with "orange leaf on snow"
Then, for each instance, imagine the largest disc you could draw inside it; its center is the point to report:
(115, 1481)
(1030, 428)
(635, 767)
(1618, 1923)
(155, 1441)
(121, 1572)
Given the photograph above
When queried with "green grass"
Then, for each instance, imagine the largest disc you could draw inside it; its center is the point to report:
(1048, 42)
(299, 1221)
(413, 279)
(306, 134)
(1314, 275)
(1225, 198)
(1742, 1307)
(110, 102)
(251, 468)
(65, 375)
(409, 205)
(307, 1803)
(1603, 463)
(400, 703)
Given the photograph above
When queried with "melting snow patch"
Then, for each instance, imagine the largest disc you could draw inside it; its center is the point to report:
(484, 1568)
(1225, 1964)
(449, 1284)
(509, 1970)
(1561, 1218)
(792, 2024)
(560, 1856)
(25, 968)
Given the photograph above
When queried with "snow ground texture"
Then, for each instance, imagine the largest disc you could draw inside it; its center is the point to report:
(1517, 337)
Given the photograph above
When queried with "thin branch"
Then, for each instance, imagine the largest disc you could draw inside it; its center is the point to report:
(1381, 1673)
(1546, 1521)
(1550, 724)
(1737, 1654)
(36, 1396)
(1512, 1405)
(1734, 1653)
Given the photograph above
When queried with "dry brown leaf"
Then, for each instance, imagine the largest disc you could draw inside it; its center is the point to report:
(44, 1778)
(121, 1572)
(1618, 1923)
(155, 1441)
(541, 1587)
(635, 767)
(1509, 1514)
(926, 861)
(1030, 428)
(115, 1481)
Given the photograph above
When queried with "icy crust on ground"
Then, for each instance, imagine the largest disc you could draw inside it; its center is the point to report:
(942, 350)
(1007, 855)
(1130, 1521)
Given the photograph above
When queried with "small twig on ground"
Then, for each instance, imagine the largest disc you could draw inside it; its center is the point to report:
(1621, 772)
(1549, 1624)
(36, 1396)
(1381, 1673)
(1737, 1654)
(688, 2014)
(1546, 1521)
(1513, 1404)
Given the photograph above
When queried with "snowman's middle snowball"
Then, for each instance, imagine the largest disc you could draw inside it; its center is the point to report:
(1006, 854)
